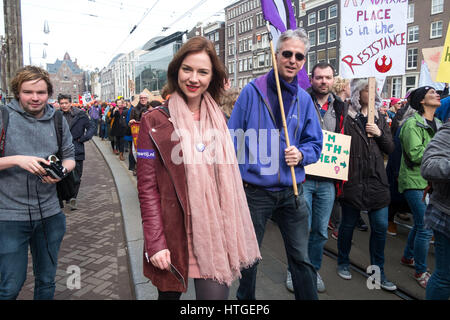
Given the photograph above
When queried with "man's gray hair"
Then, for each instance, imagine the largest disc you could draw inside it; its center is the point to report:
(299, 34)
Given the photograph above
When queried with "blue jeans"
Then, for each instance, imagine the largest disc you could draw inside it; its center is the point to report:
(319, 196)
(419, 237)
(14, 239)
(438, 287)
(293, 224)
(378, 226)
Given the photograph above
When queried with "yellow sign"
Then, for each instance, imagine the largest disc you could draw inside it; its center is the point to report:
(335, 157)
(444, 67)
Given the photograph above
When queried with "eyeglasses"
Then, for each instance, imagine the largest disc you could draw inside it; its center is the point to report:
(298, 56)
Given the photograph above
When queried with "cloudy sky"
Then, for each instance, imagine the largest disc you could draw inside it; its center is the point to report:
(94, 31)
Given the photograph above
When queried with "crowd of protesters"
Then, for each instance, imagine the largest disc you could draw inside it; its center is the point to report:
(211, 230)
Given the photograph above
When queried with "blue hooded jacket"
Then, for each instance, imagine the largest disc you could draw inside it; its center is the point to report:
(260, 145)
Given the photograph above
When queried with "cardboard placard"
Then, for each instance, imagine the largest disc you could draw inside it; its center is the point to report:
(373, 38)
(443, 74)
(135, 132)
(335, 157)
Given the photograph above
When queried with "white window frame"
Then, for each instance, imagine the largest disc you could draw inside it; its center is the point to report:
(408, 60)
(318, 36)
(310, 61)
(329, 28)
(398, 81)
(431, 29)
(312, 44)
(410, 14)
(329, 11)
(409, 32)
(325, 15)
(438, 6)
(415, 81)
(310, 16)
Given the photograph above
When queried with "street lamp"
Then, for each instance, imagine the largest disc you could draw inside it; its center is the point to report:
(44, 53)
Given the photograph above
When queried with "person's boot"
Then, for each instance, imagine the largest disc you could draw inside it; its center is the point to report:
(121, 157)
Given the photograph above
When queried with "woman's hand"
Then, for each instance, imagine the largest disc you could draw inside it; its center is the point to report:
(161, 259)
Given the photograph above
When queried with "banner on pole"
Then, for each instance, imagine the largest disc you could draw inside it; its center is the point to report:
(443, 74)
(280, 15)
(373, 38)
(335, 157)
(135, 133)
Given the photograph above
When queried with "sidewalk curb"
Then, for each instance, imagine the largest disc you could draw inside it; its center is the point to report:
(131, 216)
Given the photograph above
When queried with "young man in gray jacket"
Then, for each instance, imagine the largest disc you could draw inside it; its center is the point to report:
(436, 169)
(29, 205)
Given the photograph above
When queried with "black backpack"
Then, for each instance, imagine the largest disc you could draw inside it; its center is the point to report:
(66, 187)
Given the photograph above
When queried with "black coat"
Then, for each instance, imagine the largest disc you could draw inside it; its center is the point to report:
(367, 187)
(120, 125)
(82, 130)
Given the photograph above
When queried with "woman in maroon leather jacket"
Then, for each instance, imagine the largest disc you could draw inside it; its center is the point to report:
(195, 217)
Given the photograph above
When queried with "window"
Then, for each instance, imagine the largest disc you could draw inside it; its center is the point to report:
(411, 59)
(332, 57)
(436, 30)
(321, 56)
(437, 6)
(312, 60)
(410, 82)
(311, 18)
(261, 60)
(410, 16)
(332, 33)
(413, 34)
(396, 87)
(322, 35)
(322, 15)
(216, 36)
(332, 11)
(312, 37)
(250, 63)
(217, 47)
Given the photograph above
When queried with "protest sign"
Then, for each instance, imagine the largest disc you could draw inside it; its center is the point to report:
(134, 133)
(373, 38)
(335, 157)
(443, 74)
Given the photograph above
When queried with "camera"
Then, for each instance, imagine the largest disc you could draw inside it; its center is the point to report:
(55, 169)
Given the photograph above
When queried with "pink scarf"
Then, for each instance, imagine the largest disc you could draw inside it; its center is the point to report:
(224, 239)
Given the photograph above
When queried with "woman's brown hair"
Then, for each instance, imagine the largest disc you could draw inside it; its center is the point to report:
(195, 45)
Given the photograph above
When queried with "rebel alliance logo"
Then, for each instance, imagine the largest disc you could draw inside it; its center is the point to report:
(383, 68)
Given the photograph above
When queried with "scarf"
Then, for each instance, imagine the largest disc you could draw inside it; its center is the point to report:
(224, 239)
(288, 93)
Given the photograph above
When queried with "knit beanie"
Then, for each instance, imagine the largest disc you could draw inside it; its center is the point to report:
(394, 101)
(417, 96)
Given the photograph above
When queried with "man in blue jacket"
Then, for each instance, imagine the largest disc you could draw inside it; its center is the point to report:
(82, 130)
(265, 161)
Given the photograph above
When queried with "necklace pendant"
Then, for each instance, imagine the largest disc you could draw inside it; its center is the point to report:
(200, 147)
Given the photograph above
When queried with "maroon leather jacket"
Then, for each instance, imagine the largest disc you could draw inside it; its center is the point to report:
(163, 198)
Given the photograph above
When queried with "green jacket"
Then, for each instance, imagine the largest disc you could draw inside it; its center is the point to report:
(414, 136)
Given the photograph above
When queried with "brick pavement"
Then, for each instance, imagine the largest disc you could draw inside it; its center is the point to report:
(94, 240)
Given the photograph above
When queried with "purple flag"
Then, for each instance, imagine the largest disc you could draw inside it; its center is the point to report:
(280, 15)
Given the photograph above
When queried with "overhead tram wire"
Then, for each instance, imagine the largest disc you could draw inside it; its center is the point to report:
(133, 29)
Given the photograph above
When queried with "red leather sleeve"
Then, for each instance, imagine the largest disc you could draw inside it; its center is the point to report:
(149, 195)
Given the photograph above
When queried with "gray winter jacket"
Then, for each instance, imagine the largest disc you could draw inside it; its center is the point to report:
(20, 191)
(436, 168)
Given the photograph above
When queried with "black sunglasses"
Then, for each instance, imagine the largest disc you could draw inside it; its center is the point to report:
(298, 56)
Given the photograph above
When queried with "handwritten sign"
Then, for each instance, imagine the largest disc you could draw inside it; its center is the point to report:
(335, 157)
(443, 74)
(373, 38)
(135, 133)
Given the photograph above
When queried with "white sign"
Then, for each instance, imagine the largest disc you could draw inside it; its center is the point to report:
(335, 157)
(373, 38)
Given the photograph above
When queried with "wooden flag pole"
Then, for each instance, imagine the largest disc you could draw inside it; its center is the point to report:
(372, 94)
(283, 117)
